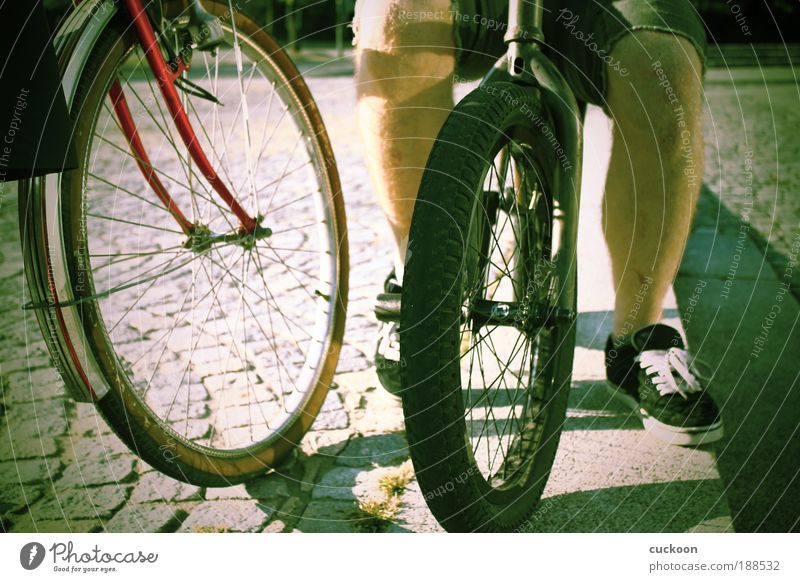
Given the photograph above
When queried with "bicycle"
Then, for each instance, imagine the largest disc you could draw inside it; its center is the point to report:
(487, 318)
(176, 281)
(88, 282)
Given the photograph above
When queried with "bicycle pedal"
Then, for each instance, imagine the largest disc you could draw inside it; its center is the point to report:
(387, 307)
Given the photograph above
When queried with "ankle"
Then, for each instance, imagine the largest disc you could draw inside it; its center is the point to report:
(621, 339)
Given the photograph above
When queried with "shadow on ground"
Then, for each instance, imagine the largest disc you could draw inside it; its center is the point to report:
(640, 508)
(742, 320)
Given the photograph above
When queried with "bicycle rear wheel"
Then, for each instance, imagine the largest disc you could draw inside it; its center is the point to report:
(487, 329)
(216, 350)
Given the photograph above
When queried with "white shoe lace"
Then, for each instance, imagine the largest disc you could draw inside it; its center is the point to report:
(390, 342)
(662, 365)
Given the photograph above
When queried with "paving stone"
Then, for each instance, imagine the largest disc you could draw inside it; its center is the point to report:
(43, 410)
(337, 483)
(89, 426)
(326, 516)
(414, 515)
(311, 467)
(381, 415)
(155, 486)
(24, 386)
(291, 511)
(276, 526)
(384, 449)
(82, 473)
(27, 525)
(148, 517)
(96, 449)
(235, 492)
(350, 483)
(371, 408)
(27, 448)
(16, 497)
(273, 486)
(331, 420)
(226, 516)
(32, 359)
(32, 429)
(357, 357)
(327, 443)
(29, 470)
(333, 401)
(19, 339)
(82, 503)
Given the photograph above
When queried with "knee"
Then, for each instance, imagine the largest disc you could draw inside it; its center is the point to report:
(398, 26)
(403, 45)
(662, 94)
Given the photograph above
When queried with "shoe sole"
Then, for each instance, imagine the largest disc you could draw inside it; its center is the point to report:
(673, 435)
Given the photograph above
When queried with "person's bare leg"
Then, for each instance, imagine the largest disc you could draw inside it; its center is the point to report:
(405, 60)
(655, 171)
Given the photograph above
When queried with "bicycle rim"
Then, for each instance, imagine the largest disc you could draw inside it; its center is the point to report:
(507, 369)
(228, 348)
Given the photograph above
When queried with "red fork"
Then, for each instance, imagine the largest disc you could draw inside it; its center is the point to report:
(165, 79)
(140, 154)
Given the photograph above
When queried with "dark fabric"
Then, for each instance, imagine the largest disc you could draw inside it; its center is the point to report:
(579, 35)
(35, 128)
(657, 337)
(621, 367)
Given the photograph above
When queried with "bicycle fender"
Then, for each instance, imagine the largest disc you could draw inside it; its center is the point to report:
(76, 38)
(39, 198)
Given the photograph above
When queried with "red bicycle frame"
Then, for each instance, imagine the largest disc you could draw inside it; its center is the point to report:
(165, 78)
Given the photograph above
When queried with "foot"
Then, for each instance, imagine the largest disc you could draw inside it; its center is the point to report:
(387, 347)
(653, 375)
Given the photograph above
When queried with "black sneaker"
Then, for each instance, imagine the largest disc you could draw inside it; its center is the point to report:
(654, 376)
(387, 346)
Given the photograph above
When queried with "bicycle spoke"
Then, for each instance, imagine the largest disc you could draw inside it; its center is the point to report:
(205, 333)
(141, 295)
(131, 256)
(208, 199)
(499, 428)
(237, 50)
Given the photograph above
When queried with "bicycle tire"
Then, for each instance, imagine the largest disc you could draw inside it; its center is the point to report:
(150, 437)
(453, 483)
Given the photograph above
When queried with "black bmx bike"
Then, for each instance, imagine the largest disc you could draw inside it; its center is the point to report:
(489, 300)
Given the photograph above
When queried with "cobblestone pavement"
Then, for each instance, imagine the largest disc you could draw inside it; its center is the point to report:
(61, 468)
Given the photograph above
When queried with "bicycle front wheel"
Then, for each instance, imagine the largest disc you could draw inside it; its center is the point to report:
(217, 349)
(486, 335)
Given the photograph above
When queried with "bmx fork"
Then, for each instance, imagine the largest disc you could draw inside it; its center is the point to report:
(526, 64)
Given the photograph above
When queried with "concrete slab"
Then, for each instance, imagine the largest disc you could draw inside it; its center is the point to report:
(749, 339)
(609, 474)
(724, 255)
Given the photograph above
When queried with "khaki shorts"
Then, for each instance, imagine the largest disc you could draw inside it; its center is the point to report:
(579, 36)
